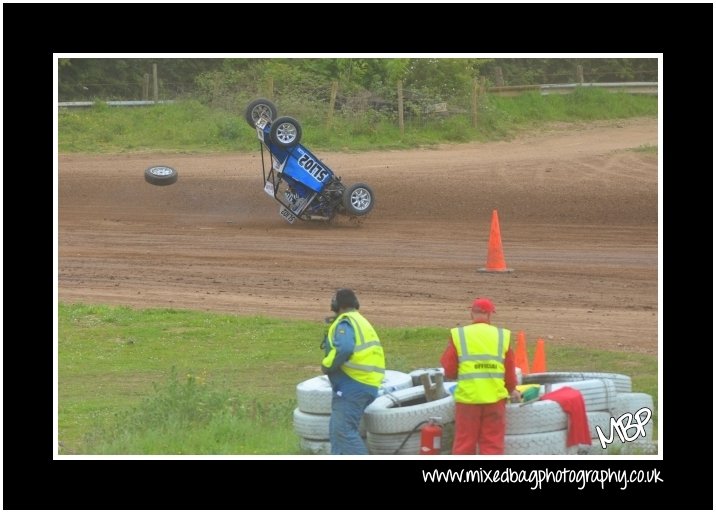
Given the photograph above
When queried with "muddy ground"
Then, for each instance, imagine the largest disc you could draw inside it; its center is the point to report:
(577, 209)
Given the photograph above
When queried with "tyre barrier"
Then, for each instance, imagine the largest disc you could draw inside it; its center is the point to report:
(618, 448)
(388, 444)
(599, 419)
(311, 420)
(315, 395)
(315, 446)
(631, 404)
(401, 411)
(310, 425)
(622, 383)
(599, 394)
(551, 442)
(314, 426)
(627, 403)
(534, 417)
(407, 443)
(536, 428)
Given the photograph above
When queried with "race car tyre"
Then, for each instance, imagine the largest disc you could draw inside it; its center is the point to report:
(315, 446)
(535, 417)
(621, 382)
(619, 448)
(358, 199)
(317, 427)
(256, 108)
(599, 419)
(161, 175)
(631, 403)
(402, 411)
(308, 425)
(389, 443)
(286, 132)
(315, 395)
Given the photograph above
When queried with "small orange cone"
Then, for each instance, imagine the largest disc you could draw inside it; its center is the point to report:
(539, 364)
(495, 257)
(521, 354)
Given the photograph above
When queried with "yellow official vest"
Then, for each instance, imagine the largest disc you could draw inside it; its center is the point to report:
(367, 363)
(481, 351)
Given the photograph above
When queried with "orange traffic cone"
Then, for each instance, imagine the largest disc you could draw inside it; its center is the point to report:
(521, 354)
(539, 364)
(495, 258)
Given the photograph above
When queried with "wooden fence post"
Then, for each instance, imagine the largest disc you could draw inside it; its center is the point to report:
(145, 87)
(580, 74)
(499, 80)
(269, 87)
(332, 103)
(156, 83)
(474, 102)
(401, 123)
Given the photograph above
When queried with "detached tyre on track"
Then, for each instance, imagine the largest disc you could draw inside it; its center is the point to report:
(161, 175)
(358, 199)
(259, 107)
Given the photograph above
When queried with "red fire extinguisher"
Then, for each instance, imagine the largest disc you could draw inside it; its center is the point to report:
(431, 436)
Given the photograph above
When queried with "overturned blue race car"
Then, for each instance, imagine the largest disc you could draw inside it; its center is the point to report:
(304, 187)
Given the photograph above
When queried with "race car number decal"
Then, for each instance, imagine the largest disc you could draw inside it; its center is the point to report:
(287, 214)
(314, 169)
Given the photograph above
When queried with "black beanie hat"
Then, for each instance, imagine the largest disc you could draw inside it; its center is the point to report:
(344, 298)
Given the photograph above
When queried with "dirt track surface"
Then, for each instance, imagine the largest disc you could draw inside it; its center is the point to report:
(578, 218)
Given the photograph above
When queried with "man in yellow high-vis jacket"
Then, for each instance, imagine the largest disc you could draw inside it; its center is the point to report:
(355, 364)
(480, 357)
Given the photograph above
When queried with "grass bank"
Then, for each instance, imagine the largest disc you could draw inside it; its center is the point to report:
(190, 126)
(164, 381)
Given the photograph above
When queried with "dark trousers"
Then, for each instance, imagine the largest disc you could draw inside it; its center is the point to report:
(346, 413)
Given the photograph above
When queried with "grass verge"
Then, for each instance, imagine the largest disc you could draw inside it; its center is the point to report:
(190, 126)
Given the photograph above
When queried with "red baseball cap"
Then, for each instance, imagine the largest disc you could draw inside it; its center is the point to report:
(483, 304)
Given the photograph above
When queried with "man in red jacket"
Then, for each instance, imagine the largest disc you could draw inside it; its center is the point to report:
(480, 357)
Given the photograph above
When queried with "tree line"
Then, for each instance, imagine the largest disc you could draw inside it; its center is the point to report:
(205, 78)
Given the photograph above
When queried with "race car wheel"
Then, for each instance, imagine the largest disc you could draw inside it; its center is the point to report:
(160, 175)
(358, 199)
(259, 107)
(286, 132)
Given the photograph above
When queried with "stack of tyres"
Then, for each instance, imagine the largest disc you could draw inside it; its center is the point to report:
(393, 421)
(607, 397)
(312, 416)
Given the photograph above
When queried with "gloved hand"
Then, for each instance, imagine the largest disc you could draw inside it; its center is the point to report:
(516, 396)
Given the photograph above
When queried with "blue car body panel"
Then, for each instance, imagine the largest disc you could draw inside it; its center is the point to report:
(298, 163)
